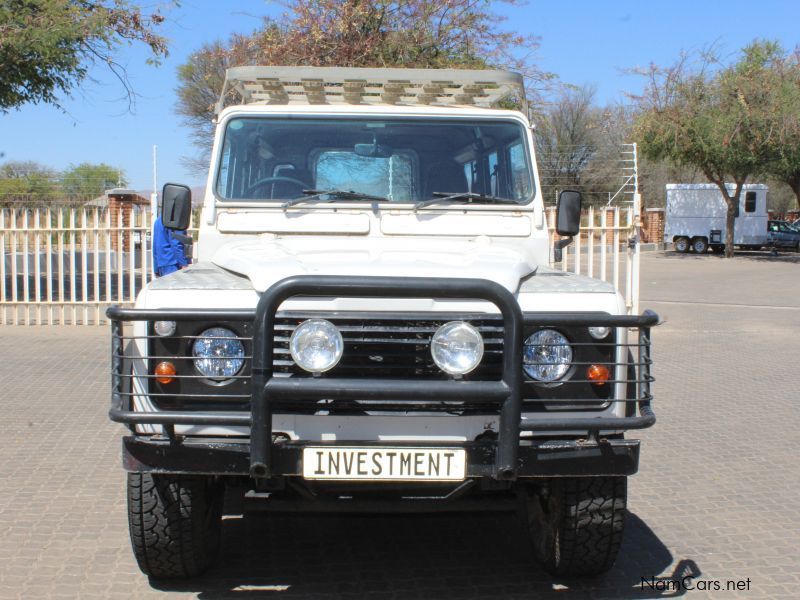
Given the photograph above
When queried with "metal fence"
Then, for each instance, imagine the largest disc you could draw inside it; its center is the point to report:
(66, 265)
(606, 248)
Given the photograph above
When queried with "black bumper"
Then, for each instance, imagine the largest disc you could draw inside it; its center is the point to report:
(535, 458)
(503, 459)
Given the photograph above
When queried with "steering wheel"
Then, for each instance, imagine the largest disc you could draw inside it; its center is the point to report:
(275, 179)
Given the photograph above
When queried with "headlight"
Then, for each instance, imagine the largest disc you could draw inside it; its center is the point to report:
(546, 355)
(316, 345)
(217, 353)
(457, 348)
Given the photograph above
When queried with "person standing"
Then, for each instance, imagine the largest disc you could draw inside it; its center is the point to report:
(168, 252)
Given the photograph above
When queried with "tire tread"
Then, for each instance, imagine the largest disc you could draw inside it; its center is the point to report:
(166, 517)
(591, 532)
(577, 527)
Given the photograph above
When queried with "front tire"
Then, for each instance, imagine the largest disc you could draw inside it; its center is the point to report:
(175, 523)
(576, 524)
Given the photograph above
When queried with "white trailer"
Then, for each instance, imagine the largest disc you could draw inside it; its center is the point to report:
(696, 217)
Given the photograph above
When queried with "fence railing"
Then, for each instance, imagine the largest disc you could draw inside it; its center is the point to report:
(603, 249)
(66, 265)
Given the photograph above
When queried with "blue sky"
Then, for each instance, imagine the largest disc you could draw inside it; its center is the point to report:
(582, 41)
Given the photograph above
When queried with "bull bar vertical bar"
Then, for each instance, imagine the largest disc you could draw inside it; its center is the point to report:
(116, 364)
(393, 287)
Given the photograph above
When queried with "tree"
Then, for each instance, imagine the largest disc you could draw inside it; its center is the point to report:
(22, 181)
(88, 181)
(718, 118)
(47, 46)
(786, 167)
(580, 145)
(566, 140)
(357, 33)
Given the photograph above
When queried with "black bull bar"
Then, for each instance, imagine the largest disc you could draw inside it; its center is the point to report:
(506, 392)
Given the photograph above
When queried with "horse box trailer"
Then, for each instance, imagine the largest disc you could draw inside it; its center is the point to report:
(696, 212)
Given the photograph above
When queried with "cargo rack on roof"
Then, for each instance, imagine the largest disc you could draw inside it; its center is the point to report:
(345, 85)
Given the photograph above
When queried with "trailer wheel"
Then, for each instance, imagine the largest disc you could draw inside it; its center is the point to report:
(175, 523)
(576, 524)
(682, 245)
(700, 245)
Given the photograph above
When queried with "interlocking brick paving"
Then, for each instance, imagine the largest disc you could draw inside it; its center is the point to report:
(717, 495)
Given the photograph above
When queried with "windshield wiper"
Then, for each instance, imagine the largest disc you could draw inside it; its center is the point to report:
(465, 197)
(332, 196)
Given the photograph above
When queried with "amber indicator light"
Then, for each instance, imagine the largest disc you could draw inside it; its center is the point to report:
(165, 372)
(597, 374)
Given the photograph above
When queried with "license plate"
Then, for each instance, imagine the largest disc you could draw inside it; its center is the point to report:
(385, 464)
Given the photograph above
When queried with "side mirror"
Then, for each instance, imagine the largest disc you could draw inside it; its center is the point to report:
(568, 221)
(568, 213)
(176, 206)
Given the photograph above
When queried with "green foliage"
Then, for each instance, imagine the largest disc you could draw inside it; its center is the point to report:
(89, 181)
(30, 182)
(47, 46)
(25, 181)
(785, 74)
(724, 120)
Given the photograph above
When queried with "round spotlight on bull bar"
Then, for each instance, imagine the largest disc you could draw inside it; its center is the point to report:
(457, 348)
(316, 346)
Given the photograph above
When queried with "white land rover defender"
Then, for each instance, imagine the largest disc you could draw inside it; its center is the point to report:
(371, 325)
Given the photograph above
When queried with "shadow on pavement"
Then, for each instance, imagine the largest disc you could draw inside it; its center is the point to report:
(444, 556)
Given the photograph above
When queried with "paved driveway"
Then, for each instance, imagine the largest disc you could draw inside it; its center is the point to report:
(717, 495)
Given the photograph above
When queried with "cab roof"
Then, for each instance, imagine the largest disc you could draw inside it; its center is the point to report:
(271, 86)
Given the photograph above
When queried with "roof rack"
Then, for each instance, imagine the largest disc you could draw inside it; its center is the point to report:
(345, 85)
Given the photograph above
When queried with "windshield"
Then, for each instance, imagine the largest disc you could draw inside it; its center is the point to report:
(408, 160)
(781, 226)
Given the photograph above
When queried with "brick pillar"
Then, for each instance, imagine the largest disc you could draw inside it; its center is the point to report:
(610, 210)
(120, 207)
(653, 226)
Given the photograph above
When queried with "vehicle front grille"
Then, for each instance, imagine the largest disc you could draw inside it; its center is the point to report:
(382, 346)
(390, 347)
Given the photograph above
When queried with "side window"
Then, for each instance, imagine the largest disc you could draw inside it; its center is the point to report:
(750, 202)
(224, 183)
(519, 174)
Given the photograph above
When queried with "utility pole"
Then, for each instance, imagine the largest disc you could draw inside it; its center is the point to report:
(154, 195)
(154, 207)
(635, 241)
